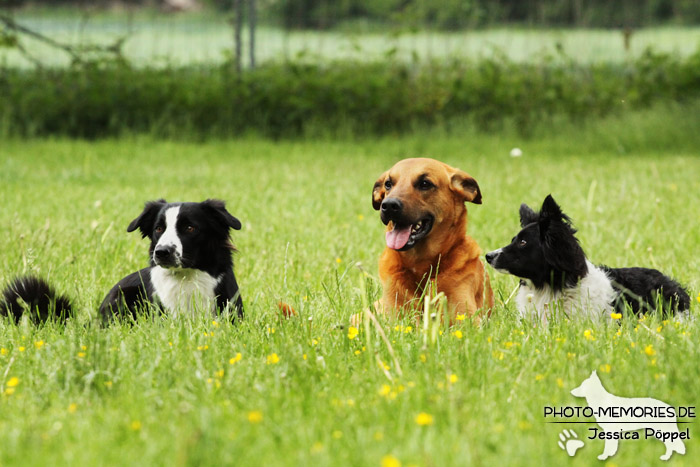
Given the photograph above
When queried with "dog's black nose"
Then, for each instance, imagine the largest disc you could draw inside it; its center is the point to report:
(391, 206)
(163, 252)
(491, 256)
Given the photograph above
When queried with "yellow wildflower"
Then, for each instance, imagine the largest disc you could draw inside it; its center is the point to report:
(272, 359)
(453, 378)
(255, 416)
(136, 425)
(39, 344)
(21, 349)
(560, 382)
(338, 260)
(3, 351)
(385, 390)
(219, 374)
(616, 315)
(352, 332)
(12, 382)
(424, 419)
(215, 324)
(73, 407)
(605, 368)
(337, 434)
(390, 461)
(539, 377)
(235, 359)
(588, 334)
(81, 354)
(458, 334)
(649, 350)
(461, 316)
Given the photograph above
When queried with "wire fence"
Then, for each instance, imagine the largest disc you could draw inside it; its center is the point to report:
(156, 38)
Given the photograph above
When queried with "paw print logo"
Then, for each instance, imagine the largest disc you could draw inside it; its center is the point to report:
(569, 442)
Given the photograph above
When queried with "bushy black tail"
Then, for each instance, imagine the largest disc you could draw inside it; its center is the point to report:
(643, 289)
(36, 298)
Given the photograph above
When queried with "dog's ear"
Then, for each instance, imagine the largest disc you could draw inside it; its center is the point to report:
(378, 191)
(147, 219)
(551, 210)
(218, 207)
(527, 215)
(465, 186)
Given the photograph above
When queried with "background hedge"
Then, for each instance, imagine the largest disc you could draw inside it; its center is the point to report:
(111, 98)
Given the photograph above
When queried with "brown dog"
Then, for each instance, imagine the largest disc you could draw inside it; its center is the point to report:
(421, 202)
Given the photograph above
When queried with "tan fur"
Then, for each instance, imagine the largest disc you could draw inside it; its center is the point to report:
(447, 258)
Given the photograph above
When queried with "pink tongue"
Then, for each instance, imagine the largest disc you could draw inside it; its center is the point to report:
(397, 238)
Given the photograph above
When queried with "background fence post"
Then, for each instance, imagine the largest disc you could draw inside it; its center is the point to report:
(252, 18)
(237, 26)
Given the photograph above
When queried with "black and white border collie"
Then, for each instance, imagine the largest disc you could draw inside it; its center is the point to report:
(556, 276)
(191, 269)
(191, 265)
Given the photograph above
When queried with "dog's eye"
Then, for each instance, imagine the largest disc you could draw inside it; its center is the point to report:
(159, 229)
(387, 185)
(522, 242)
(190, 229)
(425, 185)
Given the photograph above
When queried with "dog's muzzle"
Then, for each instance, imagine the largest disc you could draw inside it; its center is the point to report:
(166, 256)
(391, 210)
(405, 232)
(492, 256)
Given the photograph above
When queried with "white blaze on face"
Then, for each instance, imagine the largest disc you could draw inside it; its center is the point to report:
(170, 236)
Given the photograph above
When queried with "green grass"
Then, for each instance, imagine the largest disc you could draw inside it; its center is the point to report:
(156, 38)
(164, 392)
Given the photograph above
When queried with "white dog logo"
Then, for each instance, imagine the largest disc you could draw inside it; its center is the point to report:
(618, 415)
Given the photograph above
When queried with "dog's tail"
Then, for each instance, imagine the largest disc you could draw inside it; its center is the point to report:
(34, 297)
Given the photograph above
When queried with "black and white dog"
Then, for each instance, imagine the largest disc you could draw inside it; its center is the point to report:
(191, 265)
(191, 268)
(556, 276)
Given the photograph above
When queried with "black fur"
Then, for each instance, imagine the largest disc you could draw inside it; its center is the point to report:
(547, 253)
(642, 289)
(37, 298)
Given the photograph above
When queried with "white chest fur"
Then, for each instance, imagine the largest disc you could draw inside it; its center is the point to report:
(184, 290)
(590, 298)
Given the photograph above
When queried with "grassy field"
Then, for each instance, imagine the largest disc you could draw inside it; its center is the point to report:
(156, 38)
(302, 391)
